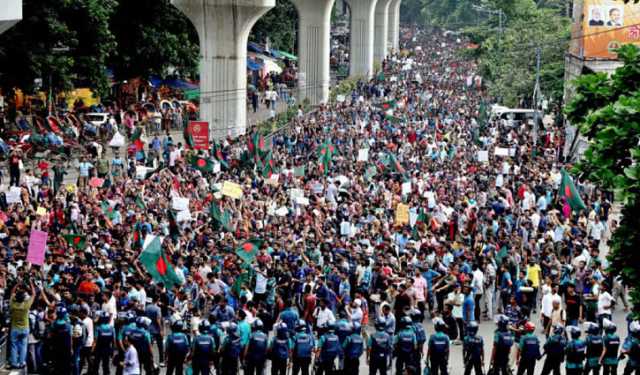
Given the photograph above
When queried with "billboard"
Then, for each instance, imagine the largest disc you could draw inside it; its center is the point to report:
(608, 24)
(200, 133)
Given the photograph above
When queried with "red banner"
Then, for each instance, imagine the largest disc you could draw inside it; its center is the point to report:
(199, 130)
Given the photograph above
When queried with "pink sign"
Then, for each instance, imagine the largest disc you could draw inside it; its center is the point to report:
(37, 244)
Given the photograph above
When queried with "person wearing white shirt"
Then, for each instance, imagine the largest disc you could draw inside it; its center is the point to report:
(324, 315)
(605, 303)
(131, 364)
(547, 304)
(109, 306)
(477, 284)
(595, 230)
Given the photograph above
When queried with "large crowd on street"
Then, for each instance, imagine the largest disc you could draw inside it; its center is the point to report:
(400, 203)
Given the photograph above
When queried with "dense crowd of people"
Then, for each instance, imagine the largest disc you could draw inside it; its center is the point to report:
(365, 219)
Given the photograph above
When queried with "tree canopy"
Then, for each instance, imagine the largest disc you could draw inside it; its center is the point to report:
(606, 109)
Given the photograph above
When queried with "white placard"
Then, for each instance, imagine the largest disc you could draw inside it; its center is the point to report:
(282, 211)
(296, 193)
(302, 201)
(141, 172)
(340, 98)
(183, 216)
(483, 156)
(363, 154)
(413, 217)
(317, 188)
(216, 167)
(512, 152)
(345, 228)
(406, 188)
(13, 195)
(501, 151)
(180, 204)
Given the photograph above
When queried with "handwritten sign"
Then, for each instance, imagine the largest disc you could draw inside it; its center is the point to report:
(231, 190)
(41, 211)
(37, 245)
(363, 154)
(402, 214)
(13, 195)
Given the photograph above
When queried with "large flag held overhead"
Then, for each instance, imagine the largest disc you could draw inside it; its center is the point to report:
(222, 218)
(156, 262)
(391, 104)
(325, 154)
(249, 249)
(568, 190)
(217, 154)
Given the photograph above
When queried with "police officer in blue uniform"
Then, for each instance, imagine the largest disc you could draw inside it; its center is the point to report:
(379, 349)
(202, 350)
(421, 338)
(344, 327)
(255, 354)
(554, 350)
(576, 352)
(438, 348)
(528, 351)
(177, 349)
(103, 344)
(473, 350)
(632, 349)
(303, 345)
(353, 347)
(595, 347)
(328, 350)
(503, 340)
(280, 350)
(405, 345)
(61, 343)
(230, 351)
(611, 344)
(216, 331)
(140, 338)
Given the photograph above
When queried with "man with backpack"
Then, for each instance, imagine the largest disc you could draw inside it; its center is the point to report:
(328, 350)
(405, 345)
(379, 349)
(353, 347)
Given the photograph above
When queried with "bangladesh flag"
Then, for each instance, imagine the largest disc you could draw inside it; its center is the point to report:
(107, 210)
(136, 139)
(156, 262)
(248, 250)
(267, 166)
(202, 164)
(393, 119)
(325, 154)
(217, 154)
(244, 278)
(257, 145)
(391, 104)
(136, 237)
(188, 137)
(76, 240)
(569, 191)
(223, 218)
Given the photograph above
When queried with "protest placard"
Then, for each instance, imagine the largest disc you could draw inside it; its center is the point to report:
(363, 154)
(179, 203)
(406, 188)
(501, 151)
(231, 190)
(37, 245)
(483, 156)
(402, 214)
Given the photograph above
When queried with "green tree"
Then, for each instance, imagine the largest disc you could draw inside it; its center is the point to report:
(152, 36)
(65, 42)
(607, 111)
(279, 25)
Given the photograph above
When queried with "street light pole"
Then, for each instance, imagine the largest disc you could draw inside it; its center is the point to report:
(536, 96)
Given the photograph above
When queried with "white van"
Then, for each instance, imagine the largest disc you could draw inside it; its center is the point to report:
(513, 116)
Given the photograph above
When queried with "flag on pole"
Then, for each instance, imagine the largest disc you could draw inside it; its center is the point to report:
(136, 138)
(217, 154)
(188, 137)
(570, 193)
(156, 263)
(249, 249)
(390, 104)
(325, 154)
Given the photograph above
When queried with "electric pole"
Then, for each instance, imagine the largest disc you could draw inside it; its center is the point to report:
(536, 96)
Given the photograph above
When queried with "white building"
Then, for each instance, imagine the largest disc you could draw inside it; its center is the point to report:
(10, 14)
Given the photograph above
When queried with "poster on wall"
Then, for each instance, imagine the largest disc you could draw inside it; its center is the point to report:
(607, 25)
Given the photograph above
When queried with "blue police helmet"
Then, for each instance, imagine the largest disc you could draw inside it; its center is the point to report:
(574, 332)
(301, 326)
(380, 324)
(357, 328)
(406, 321)
(591, 328)
(472, 328)
(634, 328)
(439, 324)
(177, 326)
(416, 315)
(203, 327)
(131, 317)
(502, 321)
(103, 317)
(257, 324)
(331, 327)
(608, 325)
(232, 329)
(558, 329)
(61, 312)
(143, 322)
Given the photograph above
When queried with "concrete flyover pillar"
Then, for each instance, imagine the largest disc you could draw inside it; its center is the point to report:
(314, 37)
(394, 25)
(381, 32)
(10, 14)
(362, 22)
(223, 28)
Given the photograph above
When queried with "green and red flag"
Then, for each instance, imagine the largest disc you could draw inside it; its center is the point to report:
(390, 104)
(249, 249)
(217, 154)
(257, 146)
(156, 263)
(140, 202)
(222, 218)
(325, 154)
(202, 164)
(570, 193)
(267, 166)
(76, 240)
(188, 137)
(107, 210)
(136, 138)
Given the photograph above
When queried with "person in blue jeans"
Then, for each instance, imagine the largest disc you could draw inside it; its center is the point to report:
(19, 306)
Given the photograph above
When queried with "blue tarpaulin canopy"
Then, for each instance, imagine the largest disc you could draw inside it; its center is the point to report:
(253, 64)
(173, 83)
(253, 47)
